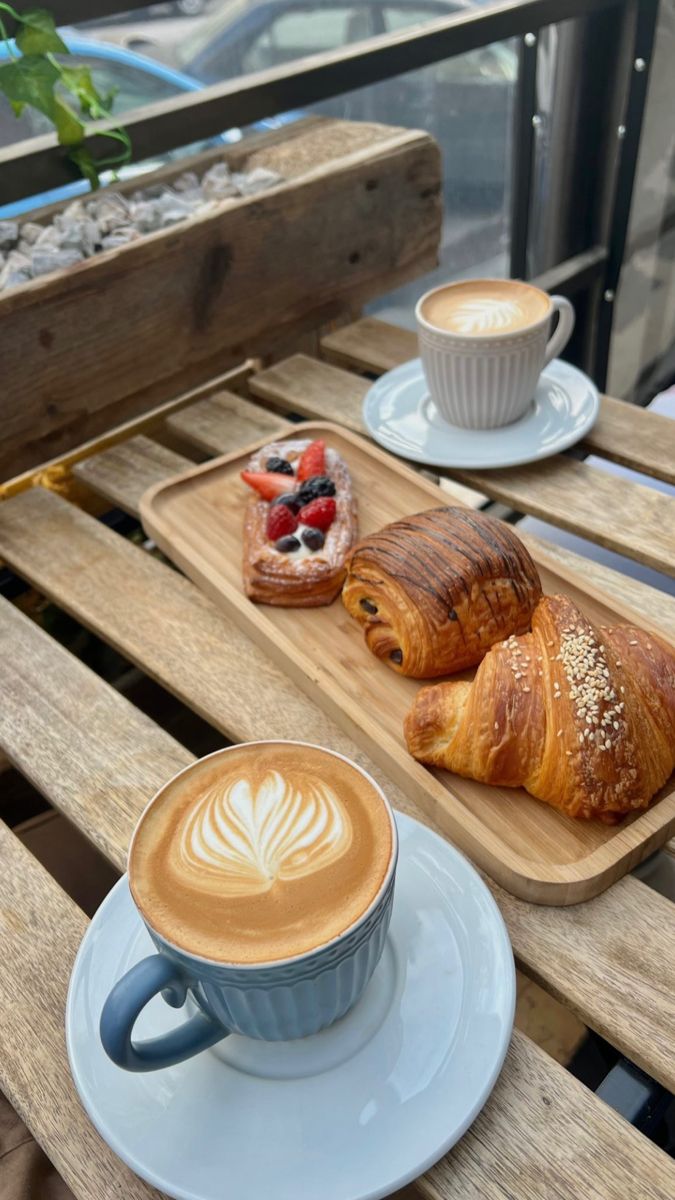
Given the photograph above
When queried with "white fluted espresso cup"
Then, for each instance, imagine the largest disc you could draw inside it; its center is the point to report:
(484, 344)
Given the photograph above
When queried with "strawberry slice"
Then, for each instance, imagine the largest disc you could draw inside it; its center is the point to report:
(312, 460)
(267, 484)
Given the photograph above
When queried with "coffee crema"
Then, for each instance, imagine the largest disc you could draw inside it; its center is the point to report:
(483, 308)
(260, 853)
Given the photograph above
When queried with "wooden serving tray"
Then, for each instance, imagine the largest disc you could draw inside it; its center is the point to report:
(532, 850)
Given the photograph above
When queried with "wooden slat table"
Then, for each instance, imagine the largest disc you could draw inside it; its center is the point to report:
(97, 758)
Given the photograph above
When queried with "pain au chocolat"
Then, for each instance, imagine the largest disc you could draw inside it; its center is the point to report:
(435, 591)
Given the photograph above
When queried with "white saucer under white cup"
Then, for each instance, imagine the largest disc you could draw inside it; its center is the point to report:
(400, 415)
(354, 1112)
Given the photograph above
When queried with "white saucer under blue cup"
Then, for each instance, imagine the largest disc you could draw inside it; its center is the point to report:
(352, 1113)
(401, 416)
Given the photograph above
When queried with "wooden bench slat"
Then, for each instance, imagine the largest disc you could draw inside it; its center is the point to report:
(634, 437)
(225, 422)
(124, 471)
(623, 432)
(41, 929)
(626, 517)
(558, 1119)
(370, 345)
(515, 1138)
(56, 711)
(160, 621)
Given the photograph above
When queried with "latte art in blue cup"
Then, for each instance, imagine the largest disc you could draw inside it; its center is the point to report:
(264, 874)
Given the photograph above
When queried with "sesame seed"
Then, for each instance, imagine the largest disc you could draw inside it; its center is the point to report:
(622, 690)
(496, 724)
(526, 689)
(519, 674)
(568, 753)
(608, 745)
(559, 733)
(618, 663)
(649, 645)
(616, 724)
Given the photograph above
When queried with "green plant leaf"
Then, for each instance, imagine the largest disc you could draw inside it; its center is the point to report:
(69, 128)
(38, 35)
(80, 84)
(85, 165)
(30, 80)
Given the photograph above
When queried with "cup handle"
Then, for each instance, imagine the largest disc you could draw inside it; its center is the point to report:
(563, 331)
(127, 999)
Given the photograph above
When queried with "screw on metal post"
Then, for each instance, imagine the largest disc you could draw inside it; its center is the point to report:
(639, 64)
(621, 132)
(530, 39)
(608, 295)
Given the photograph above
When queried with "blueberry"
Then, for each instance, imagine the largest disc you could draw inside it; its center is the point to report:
(279, 466)
(318, 485)
(368, 606)
(313, 538)
(286, 544)
(291, 500)
(396, 655)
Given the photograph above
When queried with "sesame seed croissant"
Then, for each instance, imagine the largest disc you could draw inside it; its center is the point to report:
(582, 717)
(434, 591)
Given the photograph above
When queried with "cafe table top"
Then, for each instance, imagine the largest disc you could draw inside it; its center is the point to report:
(97, 758)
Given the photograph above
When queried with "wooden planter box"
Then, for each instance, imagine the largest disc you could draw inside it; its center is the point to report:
(358, 213)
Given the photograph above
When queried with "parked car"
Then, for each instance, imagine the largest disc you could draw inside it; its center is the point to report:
(136, 81)
(464, 101)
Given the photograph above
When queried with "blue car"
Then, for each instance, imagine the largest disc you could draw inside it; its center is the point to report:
(136, 80)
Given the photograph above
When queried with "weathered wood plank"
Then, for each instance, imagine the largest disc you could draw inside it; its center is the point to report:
(206, 293)
(89, 775)
(124, 471)
(558, 1118)
(635, 438)
(619, 984)
(85, 747)
(40, 931)
(370, 345)
(224, 422)
(151, 421)
(627, 517)
(624, 433)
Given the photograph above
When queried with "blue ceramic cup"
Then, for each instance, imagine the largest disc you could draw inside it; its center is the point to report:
(275, 1001)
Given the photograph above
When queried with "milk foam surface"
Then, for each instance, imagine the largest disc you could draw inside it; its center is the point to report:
(260, 853)
(480, 308)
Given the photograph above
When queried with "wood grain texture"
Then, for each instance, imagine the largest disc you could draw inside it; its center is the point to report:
(203, 292)
(40, 932)
(626, 517)
(623, 432)
(370, 345)
(124, 471)
(530, 848)
(151, 420)
(635, 438)
(79, 742)
(224, 422)
(89, 775)
(161, 622)
(606, 1162)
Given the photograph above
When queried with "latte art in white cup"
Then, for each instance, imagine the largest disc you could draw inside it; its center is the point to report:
(243, 836)
(484, 343)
